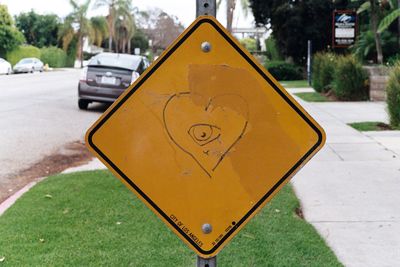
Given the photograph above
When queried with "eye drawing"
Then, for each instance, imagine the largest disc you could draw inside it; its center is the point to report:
(204, 134)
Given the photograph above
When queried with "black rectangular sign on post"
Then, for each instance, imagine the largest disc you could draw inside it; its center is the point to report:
(344, 28)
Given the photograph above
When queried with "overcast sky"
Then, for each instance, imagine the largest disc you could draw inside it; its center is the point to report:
(183, 9)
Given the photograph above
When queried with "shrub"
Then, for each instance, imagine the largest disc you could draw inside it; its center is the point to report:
(53, 56)
(323, 71)
(284, 71)
(249, 43)
(350, 80)
(272, 49)
(393, 96)
(22, 52)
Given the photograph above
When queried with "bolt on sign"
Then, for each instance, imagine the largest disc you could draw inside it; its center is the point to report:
(344, 26)
(205, 137)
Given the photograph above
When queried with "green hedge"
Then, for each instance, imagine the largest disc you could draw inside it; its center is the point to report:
(284, 71)
(350, 80)
(55, 57)
(22, 52)
(323, 71)
(393, 95)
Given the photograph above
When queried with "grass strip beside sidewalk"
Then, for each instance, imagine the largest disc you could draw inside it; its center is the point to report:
(91, 219)
(312, 97)
(295, 84)
(366, 126)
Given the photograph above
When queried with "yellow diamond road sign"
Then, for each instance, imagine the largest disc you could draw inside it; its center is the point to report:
(205, 137)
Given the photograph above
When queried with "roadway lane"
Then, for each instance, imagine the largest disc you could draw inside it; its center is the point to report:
(38, 115)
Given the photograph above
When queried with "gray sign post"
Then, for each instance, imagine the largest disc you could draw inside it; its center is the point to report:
(206, 7)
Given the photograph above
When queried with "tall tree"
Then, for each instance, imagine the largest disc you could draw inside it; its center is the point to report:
(164, 31)
(99, 29)
(295, 22)
(39, 30)
(114, 6)
(124, 28)
(10, 37)
(230, 9)
(375, 8)
(78, 20)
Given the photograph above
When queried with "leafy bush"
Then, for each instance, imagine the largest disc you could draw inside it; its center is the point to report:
(323, 71)
(284, 71)
(392, 60)
(393, 96)
(10, 39)
(272, 49)
(53, 56)
(249, 43)
(365, 47)
(350, 80)
(22, 52)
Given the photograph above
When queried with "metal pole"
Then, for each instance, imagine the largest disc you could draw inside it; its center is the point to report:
(206, 7)
(309, 69)
(202, 262)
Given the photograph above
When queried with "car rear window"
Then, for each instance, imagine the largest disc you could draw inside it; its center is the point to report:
(116, 60)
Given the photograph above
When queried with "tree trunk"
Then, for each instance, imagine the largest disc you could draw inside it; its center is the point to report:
(130, 43)
(80, 52)
(110, 43)
(123, 45)
(374, 27)
(398, 25)
(230, 7)
(110, 27)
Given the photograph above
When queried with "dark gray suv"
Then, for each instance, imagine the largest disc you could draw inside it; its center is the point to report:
(107, 75)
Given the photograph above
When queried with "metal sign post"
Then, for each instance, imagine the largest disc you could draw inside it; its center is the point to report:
(206, 7)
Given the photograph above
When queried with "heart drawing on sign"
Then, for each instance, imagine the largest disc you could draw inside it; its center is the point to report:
(206, 129)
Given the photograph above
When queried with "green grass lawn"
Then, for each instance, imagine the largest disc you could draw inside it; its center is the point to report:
(372, 126)
(91, 219)
(294, 84)
(312, 97)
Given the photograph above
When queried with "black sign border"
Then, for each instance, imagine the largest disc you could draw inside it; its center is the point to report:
(147, 75)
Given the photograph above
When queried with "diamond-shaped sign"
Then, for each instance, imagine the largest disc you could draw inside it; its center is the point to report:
(205, 137)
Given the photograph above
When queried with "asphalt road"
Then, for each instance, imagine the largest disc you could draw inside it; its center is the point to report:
(38, 115)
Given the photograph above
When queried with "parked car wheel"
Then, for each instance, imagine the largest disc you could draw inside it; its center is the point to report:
(83, 104)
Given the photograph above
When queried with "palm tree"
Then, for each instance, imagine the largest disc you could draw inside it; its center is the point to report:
(373, 6)
(76, 19)
(100, 29)
(112, 17)
(230, 8)
(124, 27)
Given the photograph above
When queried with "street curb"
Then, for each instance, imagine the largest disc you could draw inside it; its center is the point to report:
(92, 165)
(11, 200)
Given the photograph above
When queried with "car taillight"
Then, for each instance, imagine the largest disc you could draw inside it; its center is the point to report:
(135, 75)
(84, 74)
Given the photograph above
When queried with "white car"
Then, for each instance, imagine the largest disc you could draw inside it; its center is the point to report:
(28, 65)
(5, 67)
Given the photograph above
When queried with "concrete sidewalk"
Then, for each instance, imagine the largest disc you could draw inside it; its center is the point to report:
(350, 192)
